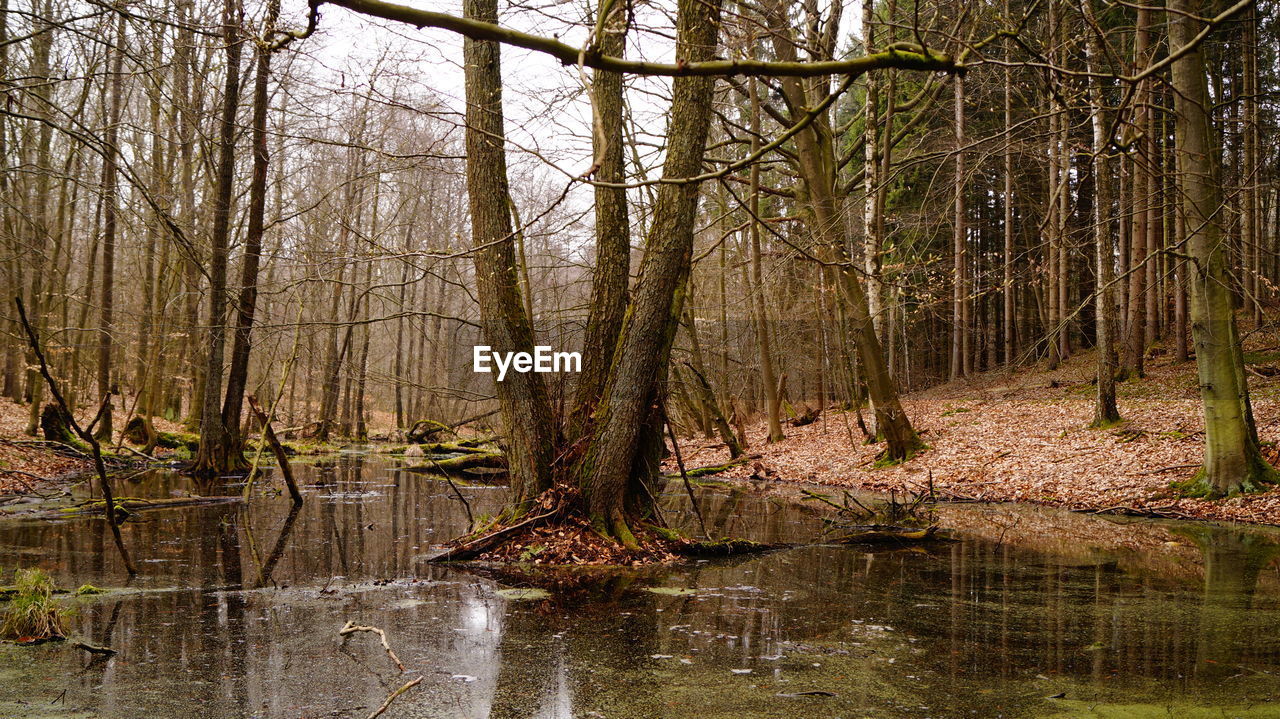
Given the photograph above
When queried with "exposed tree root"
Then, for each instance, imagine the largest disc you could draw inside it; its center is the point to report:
(557, 532)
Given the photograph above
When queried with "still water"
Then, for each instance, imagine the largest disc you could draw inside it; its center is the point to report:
(1030, 613)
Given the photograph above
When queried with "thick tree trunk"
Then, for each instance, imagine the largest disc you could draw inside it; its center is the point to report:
(1232, 461)
(644, 347)
(526, 409)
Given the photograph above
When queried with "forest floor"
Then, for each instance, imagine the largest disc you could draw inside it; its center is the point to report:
(26, 464)
(1024, 437)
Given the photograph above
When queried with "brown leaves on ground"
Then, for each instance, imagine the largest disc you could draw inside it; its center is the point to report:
(573, 541)
(555, 531)
(1025, 438)
(26, 465)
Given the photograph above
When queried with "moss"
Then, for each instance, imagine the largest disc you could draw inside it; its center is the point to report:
(310, 448)
(86, 589)
(178, 440)
(1260, 477)
(666, 533)
(885, 460)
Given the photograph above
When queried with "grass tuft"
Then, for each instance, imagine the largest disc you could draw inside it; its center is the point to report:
(32, 615)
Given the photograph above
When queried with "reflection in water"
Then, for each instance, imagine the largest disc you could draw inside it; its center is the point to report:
(237, 612)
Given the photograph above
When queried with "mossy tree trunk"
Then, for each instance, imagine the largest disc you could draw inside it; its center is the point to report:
(613, 230)
(1232, 458)
(644, 347)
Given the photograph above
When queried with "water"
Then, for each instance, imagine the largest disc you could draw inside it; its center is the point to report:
(1032, 613)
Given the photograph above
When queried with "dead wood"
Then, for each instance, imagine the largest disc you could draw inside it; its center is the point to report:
(351, 627)
(282, 457)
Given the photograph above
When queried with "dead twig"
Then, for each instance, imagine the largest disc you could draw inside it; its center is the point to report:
(688, 487)
(1170, 468)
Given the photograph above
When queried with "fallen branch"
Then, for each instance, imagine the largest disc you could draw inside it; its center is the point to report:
(490, 460)
(888, 535)
(392, 696)
(696, 472)
(85, 434)
(479, 546)
(1170, 468)
(131, 504)
(282, 458)
(351, 627)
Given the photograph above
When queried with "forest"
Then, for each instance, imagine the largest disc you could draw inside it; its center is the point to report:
(481, 331)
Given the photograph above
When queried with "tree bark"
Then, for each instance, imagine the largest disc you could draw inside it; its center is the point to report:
(110, 222)
(238, 375)
(644, 347)
(1232, 460)
(215, 455)
(613, 229)
(526, 409)
(1105, 411)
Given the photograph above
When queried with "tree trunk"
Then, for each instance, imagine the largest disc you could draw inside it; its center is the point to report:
(109, 224)
(526, 409)
(1232, 461)
(773, 409)
(238, 375)
(816, 162)
(216, 455)
(1105, 411)
(644, 347)
(960, 292)
(613, 230)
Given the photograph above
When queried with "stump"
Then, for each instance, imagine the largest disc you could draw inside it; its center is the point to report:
(138, 430)
(55, 424)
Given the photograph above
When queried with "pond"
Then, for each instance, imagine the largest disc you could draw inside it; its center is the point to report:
(1029, 613)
